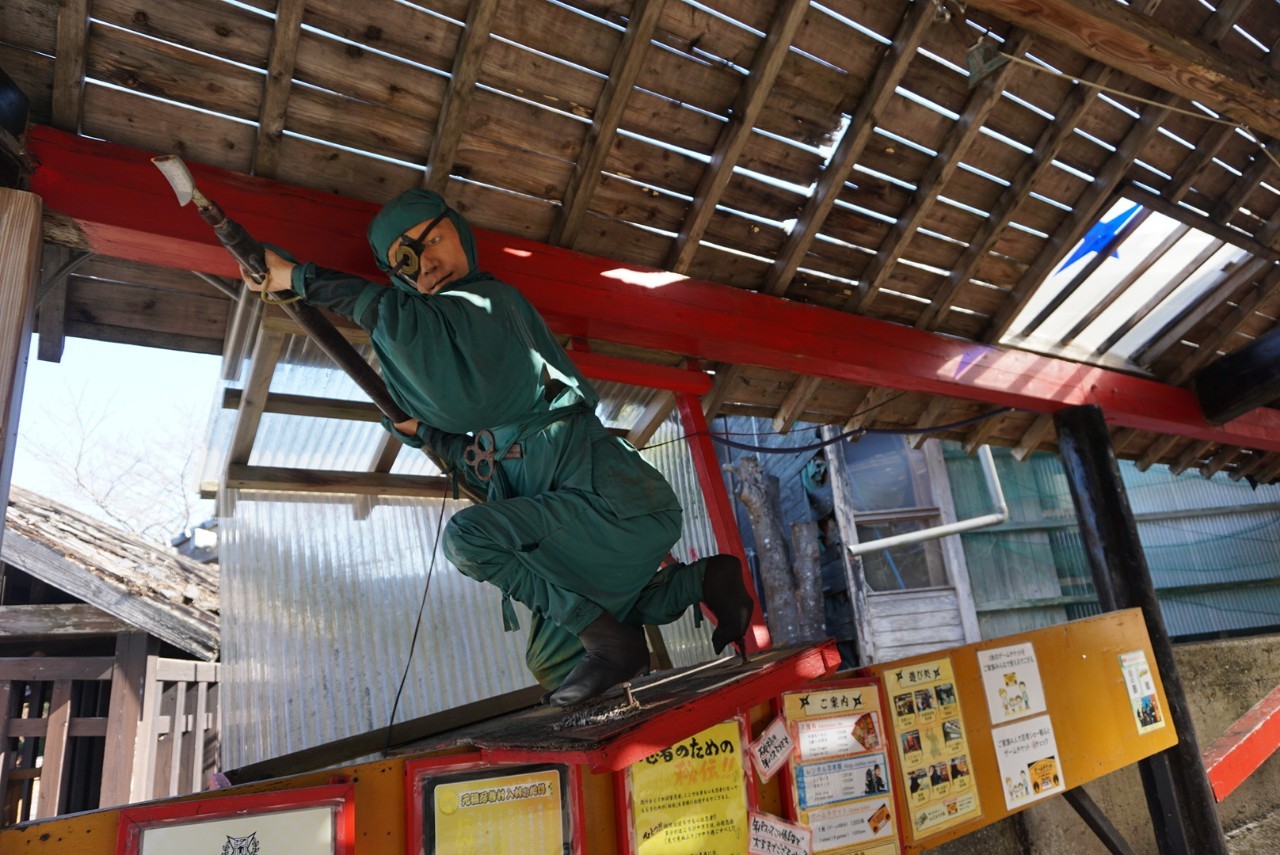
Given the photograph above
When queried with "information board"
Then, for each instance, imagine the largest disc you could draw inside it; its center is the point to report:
(1023, 717)
(692, 798)
(840, 771)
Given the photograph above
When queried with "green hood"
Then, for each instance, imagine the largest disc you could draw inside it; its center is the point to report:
(406, 211)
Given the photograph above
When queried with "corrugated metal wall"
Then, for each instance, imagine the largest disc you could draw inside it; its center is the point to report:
(321, 592)
(1213, 547)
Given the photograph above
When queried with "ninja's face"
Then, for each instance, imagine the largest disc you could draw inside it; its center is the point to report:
(429, 255)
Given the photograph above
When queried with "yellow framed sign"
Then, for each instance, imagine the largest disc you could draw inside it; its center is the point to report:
(459, 806)
(692, 798)
(839, 773)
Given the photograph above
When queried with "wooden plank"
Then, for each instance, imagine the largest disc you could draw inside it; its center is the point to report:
(183, 626)
(1136, 44)
(457, 99)
(155, 68)
(224, 30)
(53, 304)
(396, 28)
(171, 670)
(7, 754)
(598, 145)
(892, 67)
(20, 248)
(178, 738)
(1190, 456)
(57, 621)
(956, 142)
(283, 57)
(128, 675)
(1033, 436)
(91, 303)
(276, 478)
(200, 728)
(733, 137)
(72, 59)
(142, 780)
(44, 668)
(35, 728)
(802, 391)
(53, 769)
(266, 353)
(305, 405)
(660, 407)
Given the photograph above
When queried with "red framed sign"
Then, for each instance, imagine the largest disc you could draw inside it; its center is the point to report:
(692, 798)
(311, 821)
(461, 805)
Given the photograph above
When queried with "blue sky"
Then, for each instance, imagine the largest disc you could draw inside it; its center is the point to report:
(140, 400)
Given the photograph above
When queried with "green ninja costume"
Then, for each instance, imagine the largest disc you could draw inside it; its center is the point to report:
(579, 522)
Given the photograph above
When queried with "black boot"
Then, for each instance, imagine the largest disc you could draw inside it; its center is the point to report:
(728, 600)
(615, 653)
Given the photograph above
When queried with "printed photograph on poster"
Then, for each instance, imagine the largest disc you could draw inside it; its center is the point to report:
(1027, 757)
(1142, 691)
(835, 828)
(835, 781)
(1011, 680)
(837, 736)
(932, 746)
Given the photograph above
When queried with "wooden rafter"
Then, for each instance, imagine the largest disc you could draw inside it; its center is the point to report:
(1190, 69)
(933, 413)
(457, 99)
(1225, 331)
(276, 478)
(69, 68)
(982, 100)
(1224, 457)
(981, 433)
(879, 92)
(1046, 149)
(660, 407)
(1190, 456)
(1212, 227)
(1156, 452)
(266, 353)
(1085, 210)
(1251, 468)
(727, 376)
(627, 65)
(794, 403)
(1033, 436)
(875, 399)
(276, 87)
(769, 57)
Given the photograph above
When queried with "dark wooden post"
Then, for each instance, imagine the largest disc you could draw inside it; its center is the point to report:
(1178, 793)
(20, 244)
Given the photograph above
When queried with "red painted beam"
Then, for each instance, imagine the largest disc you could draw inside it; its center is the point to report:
(615, 369)
(1237, 753)
(125, 209)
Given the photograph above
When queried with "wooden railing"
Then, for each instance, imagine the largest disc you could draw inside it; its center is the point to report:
(77, 733)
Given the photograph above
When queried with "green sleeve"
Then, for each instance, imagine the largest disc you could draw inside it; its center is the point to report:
(347, 295)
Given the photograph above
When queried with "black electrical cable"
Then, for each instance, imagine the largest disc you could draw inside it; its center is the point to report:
(417, 627)
(799, 449)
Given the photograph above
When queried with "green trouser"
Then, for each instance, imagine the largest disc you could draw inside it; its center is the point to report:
(568, 557)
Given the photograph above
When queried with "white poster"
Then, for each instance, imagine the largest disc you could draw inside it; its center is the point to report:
(1027, 756)
(769, 753)
(1011, 679)
(851, 824)
(308, 831)
(838, 735)
(772, 836)
(1142, 691)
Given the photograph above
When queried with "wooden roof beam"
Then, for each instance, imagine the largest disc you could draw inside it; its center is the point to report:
(981, 433)
(628, 62)
(457, 98)
(277, 86)
(283, 479)
(1239, 87)
(72, 49)
(253, 403)
(1033, 436)
(1156, 451)
(1223, 458)
(735, 134)
(1251, 467)
(1225, 331)
(1190, 456)
(933, 413)
(982, 100)
(793, 405)
(876, 97)
(1085, 210)
(1046, 149)
(660, 407)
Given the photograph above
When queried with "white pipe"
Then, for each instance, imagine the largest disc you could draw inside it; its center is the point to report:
(997, 498)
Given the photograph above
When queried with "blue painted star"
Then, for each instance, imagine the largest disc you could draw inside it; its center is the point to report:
(1100, 235)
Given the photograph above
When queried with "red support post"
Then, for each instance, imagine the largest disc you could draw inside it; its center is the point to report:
(720, 507)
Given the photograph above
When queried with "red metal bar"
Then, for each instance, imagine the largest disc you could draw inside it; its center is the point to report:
(615, 369)
(720, 507)
(124, 207)
(1246, 744)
